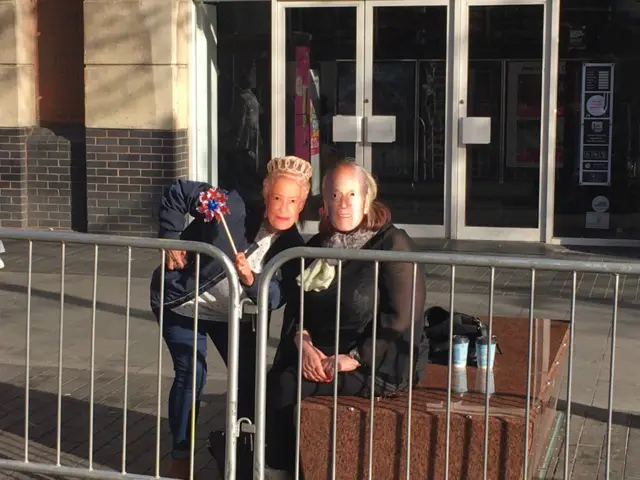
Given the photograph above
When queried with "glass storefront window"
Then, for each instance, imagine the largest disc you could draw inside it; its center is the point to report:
(597, 190)
(243, 61)
(320, 84)
(409, 83)
(505, 84)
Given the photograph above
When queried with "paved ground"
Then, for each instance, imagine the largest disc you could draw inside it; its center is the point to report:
(591, 357)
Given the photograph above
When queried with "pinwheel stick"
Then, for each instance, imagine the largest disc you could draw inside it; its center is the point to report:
(226, 230)
(213, 206)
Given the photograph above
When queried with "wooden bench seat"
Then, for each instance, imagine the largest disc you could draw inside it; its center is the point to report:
(506, 420)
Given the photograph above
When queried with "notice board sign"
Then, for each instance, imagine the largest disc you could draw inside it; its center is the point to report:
(597, 123)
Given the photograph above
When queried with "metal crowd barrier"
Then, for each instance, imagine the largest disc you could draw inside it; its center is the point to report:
(97, 241)
(431, 258)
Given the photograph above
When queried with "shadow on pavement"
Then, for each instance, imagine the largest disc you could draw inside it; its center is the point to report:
(600, 414)
(107, 436)
(80, 302)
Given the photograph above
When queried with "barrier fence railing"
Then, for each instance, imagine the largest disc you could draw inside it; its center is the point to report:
(98, 241)
(533, 265)
(306, 255)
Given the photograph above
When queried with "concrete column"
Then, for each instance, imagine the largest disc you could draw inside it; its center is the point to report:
(17, 106)
(136, 94)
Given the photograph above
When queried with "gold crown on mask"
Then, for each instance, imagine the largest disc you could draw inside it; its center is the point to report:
(290, 165)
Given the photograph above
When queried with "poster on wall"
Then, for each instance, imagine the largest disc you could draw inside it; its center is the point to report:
(523, 110)
(597, 123)
(302, 130)
(307, 122)
(314, 126)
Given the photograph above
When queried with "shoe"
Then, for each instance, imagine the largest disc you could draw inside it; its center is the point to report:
(1, 264)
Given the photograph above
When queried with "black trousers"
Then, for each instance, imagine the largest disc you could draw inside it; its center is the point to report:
(282, 390)
(178, 335)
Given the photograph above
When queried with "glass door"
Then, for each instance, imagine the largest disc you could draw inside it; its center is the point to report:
(405, 107)
(500, 155)
(318, 86)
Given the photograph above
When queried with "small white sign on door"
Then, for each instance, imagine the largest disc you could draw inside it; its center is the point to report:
(597, 220)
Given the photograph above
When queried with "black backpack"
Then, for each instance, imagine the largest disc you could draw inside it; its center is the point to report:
(436, 327)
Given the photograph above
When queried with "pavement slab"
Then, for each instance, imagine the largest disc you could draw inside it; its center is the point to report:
(148, 368)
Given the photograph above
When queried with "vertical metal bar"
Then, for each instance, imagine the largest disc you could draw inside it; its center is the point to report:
(299, 401)
(194, 367)
(416, 126)
(233, 342)
(125, 390)
(60, 342)
(449, 374)
(334, 437)
(374, 335)
(92, 354)
(159, 379)
(548, 117)
(411, 376)
(27, 359)
(261, 374)
(503, 119)
(492, 281)
(572, 323)
(527, 407)
(612, 366)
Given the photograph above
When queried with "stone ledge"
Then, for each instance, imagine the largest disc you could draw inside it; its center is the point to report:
(428, 428)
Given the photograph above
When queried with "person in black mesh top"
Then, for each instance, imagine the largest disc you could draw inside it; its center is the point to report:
(351, 218)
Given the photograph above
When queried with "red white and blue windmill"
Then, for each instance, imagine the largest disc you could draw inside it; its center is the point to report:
(213, 205)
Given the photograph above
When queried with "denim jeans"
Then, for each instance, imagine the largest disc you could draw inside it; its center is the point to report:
(178, 335)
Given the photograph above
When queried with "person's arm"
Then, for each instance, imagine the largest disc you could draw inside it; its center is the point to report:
(396, 293)
(180, 199)
(283, 283)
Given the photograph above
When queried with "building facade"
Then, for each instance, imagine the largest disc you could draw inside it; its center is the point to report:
(93, 112)
(482, 119)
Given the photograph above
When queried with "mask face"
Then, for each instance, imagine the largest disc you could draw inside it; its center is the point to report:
(284, 202)
(345, 199)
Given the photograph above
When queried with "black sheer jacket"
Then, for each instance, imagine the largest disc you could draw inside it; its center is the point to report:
(397, 286)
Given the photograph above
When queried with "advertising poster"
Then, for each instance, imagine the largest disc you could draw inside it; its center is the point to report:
(523, 109)
(302, 130)
(314, 124)
(597, 124)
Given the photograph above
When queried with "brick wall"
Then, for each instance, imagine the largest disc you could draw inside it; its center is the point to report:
(13, 177)
(56, 178)
(127, 173)
(61, 175)
(97, 180)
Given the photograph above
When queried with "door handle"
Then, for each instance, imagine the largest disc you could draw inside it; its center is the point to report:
(347, 128)
(380, 129)
(475, 130)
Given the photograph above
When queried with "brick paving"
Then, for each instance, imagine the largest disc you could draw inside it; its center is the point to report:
(591, 357)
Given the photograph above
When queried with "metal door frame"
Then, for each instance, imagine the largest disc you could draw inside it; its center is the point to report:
(279, 61)
(279, 70)
(456, 92)
(415, 230)
(364, 86)
(544, 230)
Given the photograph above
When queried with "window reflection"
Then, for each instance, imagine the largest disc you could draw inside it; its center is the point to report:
(504, 83)
(606, 32)
(244, 95)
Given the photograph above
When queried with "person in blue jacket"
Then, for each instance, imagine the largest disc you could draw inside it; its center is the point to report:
(259, 233)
